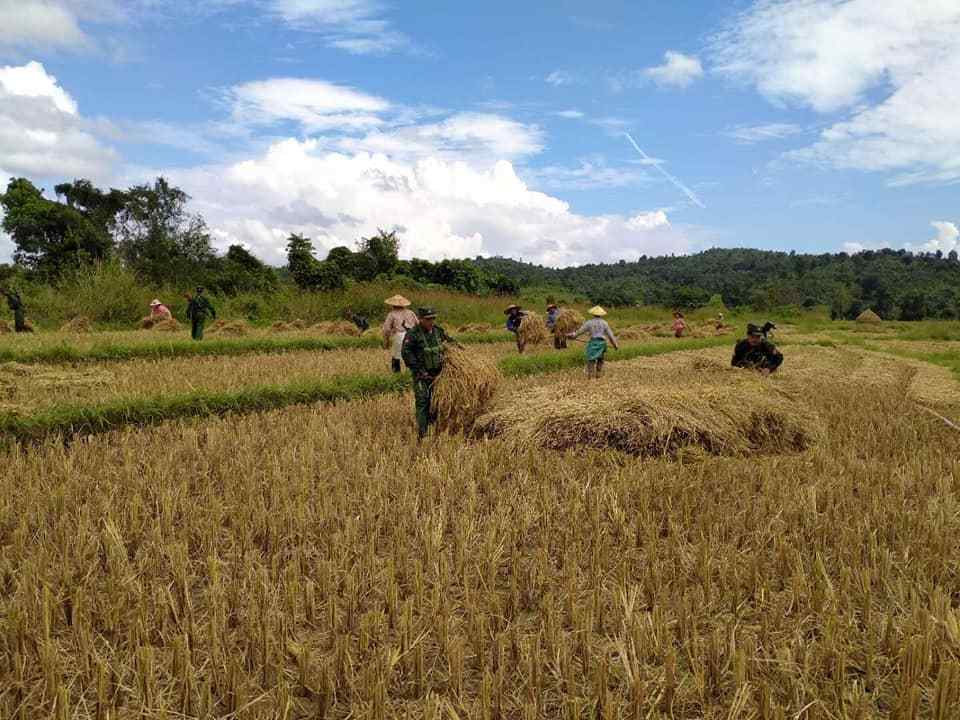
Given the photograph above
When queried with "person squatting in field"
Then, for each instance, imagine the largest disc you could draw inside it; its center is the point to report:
(399, 321)
(679, 324)
(515, 315)
(19, 311)
(423, 355)
(599, 331)
(199, 309)
(159, 311)
(756, 352)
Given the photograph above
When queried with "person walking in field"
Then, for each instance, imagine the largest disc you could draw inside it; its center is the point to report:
(199, 310)
(559, 340)
(755, 352)
(679, 324)
(599, 331)
(159, 311)
(19, 311)
(515, 316)
(399, 321)
(423, 355)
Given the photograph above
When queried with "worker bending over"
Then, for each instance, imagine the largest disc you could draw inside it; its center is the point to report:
(755, 352)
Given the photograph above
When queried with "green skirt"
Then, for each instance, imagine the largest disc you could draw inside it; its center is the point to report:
(596, 349)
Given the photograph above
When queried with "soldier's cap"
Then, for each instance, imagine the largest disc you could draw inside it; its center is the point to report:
(426, 312)
(754, 330)
(199, 288)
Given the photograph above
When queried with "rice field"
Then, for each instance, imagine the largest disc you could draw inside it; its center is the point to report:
(314, 562)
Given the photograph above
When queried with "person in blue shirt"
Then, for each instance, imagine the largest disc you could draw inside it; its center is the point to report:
(515, 316)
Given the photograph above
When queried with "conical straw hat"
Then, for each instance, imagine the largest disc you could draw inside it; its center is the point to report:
(597, 311)
(397, 301)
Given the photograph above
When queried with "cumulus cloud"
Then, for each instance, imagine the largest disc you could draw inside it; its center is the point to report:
(26, 23)
(41, 131)
(446, 207)
(841, 56)
(752, 134)
(678, 70)
(947, 237)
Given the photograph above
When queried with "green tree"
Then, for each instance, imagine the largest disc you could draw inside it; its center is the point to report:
(50, 237)
(382, 251)
(308, 272)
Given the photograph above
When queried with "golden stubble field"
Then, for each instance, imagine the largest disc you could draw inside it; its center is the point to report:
(314, 562)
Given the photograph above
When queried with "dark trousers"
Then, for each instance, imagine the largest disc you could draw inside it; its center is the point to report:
(560, 341)
(423, 396)
(395, 365)
(196, 328)
(19, 321)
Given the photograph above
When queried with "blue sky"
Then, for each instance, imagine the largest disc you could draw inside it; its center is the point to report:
(499, 128)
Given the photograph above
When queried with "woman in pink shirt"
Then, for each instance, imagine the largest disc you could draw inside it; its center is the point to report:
(679, 324)
(395, 327)
(159, 311)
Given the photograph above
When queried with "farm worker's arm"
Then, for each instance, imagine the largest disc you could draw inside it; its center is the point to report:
(213, 310)
(583, 329)
(387, 329)
(411, 354)
(445, 337)
(608, 331)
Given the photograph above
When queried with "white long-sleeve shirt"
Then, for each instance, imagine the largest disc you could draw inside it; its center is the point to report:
(598, 328)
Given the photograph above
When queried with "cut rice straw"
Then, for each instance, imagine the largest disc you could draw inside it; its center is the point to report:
(463, 390)
(533, 330)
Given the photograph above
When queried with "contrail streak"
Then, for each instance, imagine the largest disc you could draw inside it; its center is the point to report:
(679, 185)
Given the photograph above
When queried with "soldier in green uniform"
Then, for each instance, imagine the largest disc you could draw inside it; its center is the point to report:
(423, 354)
(16, 305)
(756, 352)
(199, 310)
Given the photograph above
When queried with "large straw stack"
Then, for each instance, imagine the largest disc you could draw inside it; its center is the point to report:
(533, 330)
(463, 390)
(79, 324)
(232, 328)
(568, 321)
(168, 325)
(337, 327)
(868, 316)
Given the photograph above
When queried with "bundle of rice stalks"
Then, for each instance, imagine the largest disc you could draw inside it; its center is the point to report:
(463, 390)
(298, 324)
(79, 324)
(868, 316)
(337, 327)
(168, 325)
(279, 326)
(475, 328)
(533, 330)
(12, 373)
(664, 420)
(235, 328)
(631, 333)
(5, 327)
(568, 321)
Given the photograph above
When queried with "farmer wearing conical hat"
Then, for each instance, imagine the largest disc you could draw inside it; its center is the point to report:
(423, 354)
(515, 315)
(159, 311)
(19, 312)
(400, 320)
(755, 352)
(199, 309)
(599, 331)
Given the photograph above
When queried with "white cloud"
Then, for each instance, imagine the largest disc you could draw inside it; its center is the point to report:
(751, 134)
(357, 26)
(41, 131)
(559, 78)
(834, 56)
(26, 23)
(947, 237)
(314, 104)
(571, 114)
(446, 207)
(590, 174)
(678, 70)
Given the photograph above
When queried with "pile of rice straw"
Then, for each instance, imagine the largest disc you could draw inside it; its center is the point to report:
(568, 321)
(533, 330)
(475, 328)
(463, 390)
(298, 324)
(79, 324)
(234, 328)
(337, 327)
(631, 333)
(869, 316)
(5, 327)
(169, 325)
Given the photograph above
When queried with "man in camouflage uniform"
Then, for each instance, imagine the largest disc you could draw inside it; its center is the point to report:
(199, 310)
(423, 354)
(16, 306)
(755, 352)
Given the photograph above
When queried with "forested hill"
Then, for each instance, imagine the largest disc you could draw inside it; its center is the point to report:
(895, 283)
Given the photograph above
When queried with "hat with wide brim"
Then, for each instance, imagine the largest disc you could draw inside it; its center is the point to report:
(397, 301)
(509, 308)
(155, 302)
(552, 306)
(597, 311)
(426, 312)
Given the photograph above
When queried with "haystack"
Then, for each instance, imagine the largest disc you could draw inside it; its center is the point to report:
(869, 316)
(337, 327)
(463, 390)
(533, 330)
(235, 328)
(147, 323)
(476, 328)
(568, 321)
(631, 333)
(168, 325)
(5, 327)
(79, 324)
(664, 420)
